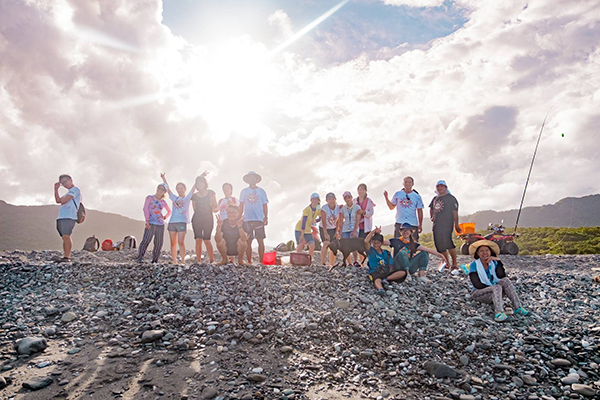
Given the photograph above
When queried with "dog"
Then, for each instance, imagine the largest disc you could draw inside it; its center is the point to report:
(347, 246)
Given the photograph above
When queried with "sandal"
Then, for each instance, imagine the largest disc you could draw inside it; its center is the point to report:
(62, 260)
(356, 264)
(521, 311)
(500, 317)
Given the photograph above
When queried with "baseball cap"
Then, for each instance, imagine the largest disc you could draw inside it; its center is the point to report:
(346, 193)
(315, 196)
(441, 182)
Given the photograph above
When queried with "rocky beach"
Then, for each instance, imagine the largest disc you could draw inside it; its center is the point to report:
(105, 327)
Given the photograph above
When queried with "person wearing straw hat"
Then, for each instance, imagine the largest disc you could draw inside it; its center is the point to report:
(303, 232)
(443, 210)
(489, 279)
(255, 211)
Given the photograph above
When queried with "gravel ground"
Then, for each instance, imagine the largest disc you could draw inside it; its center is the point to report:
(105, 327)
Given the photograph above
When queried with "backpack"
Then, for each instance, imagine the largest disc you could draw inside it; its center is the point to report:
(80, 212)
(129, 243)
(107, 245)
(91, 244)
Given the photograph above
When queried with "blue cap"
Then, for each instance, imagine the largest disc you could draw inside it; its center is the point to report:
(164, 185)
(406, 226)
(441, 182)
(315, 196)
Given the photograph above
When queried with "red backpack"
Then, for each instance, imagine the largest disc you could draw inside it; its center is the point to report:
(107, 245)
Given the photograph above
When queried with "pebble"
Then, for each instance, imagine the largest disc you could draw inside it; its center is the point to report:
(561, 362)
(209, 393)
(464, 360)
(152, 335)
(439, 370)
(256, 378)
(584, 390)
(69, 316)
(569, 379)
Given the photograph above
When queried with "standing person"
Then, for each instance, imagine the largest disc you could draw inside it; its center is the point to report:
(443, 210)
(224, 203)
(489, 279)
(367, 205)
(409, 208)
(230, 237)
(155, 222)
(67, 213)
(254, 207)
(409, 255)
(180, 217)
(351, 214)
(330, 226)
(204, 203)
(303, 231)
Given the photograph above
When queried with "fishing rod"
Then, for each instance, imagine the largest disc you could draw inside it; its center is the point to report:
(531, 167)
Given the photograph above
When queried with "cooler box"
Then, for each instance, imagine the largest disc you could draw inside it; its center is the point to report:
(269, 258)
(300, 259)
(467, 227)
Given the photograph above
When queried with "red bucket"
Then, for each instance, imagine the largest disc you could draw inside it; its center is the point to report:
(269, 258)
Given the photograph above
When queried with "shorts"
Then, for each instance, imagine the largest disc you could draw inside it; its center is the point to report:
(346, 235)
(331, 233)
(232, 245)
(383, 275)
(308, 237)
(177, 227)
(255, 229)
(65, 226)
(362, 233)
(415, 231)
(442, 237)
(203, 226)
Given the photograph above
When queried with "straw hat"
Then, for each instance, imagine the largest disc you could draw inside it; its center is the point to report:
(254, 174)
(474, 246)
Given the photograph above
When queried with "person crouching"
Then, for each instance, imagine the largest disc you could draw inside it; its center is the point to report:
(230, 237)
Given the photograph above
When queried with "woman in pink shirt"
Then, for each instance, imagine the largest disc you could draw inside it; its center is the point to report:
(155, 222)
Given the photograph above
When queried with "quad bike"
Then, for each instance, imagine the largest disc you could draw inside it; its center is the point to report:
(504, 241)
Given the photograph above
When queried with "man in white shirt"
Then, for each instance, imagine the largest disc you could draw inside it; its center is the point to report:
(67, 213)
(409, 208)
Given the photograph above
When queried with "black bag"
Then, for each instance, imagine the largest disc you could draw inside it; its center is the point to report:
(91, 244)
(80, 212)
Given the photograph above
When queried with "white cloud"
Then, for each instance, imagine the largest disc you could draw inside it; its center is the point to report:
(466, 108)
(414, 3)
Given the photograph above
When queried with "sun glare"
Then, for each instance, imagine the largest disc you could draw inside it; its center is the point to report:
(232, 88)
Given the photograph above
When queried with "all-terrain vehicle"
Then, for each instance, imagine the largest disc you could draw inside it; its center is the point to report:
(504, 241)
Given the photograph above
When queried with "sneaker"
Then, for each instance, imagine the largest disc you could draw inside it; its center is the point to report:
(422, 279)
(521, 311)
(385, 284)
(500, 317)
(380, 292)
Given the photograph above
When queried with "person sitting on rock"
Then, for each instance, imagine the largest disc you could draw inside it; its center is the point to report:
(380, 263)
(489, 279)
(230, 237)
(409, 255)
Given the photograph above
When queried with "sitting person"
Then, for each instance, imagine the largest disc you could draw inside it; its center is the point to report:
(230, 237)
(490, 281)
(381, 267)
(409, 255)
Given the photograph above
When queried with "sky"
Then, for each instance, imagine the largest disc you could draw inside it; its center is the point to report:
(114, 92)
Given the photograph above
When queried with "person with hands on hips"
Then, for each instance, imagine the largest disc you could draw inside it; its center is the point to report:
(155, 222)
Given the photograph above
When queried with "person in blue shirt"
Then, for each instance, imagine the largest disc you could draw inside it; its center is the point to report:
(409, 255)
(489, 279)
(67, 214)
(180, 217)
(380, 262)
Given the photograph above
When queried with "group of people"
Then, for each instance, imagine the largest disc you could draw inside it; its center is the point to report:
(240, 221)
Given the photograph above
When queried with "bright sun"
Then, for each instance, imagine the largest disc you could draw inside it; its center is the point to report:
(233, 87)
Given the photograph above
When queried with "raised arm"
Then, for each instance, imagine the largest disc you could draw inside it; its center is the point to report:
(164, 179)
(61, 200)
(219, 232)
(390, 205)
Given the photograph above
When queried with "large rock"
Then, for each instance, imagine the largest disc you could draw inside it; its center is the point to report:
(37, 383)
(256, 378)
(152, 336)
(30, 345)
(585, 390)
(440, 370)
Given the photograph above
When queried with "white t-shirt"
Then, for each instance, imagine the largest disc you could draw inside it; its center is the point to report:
(223, 204)
(69, 209)
(349, 215)
(406, 207)
(253, 200)
(181, 207)
(331, 216)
